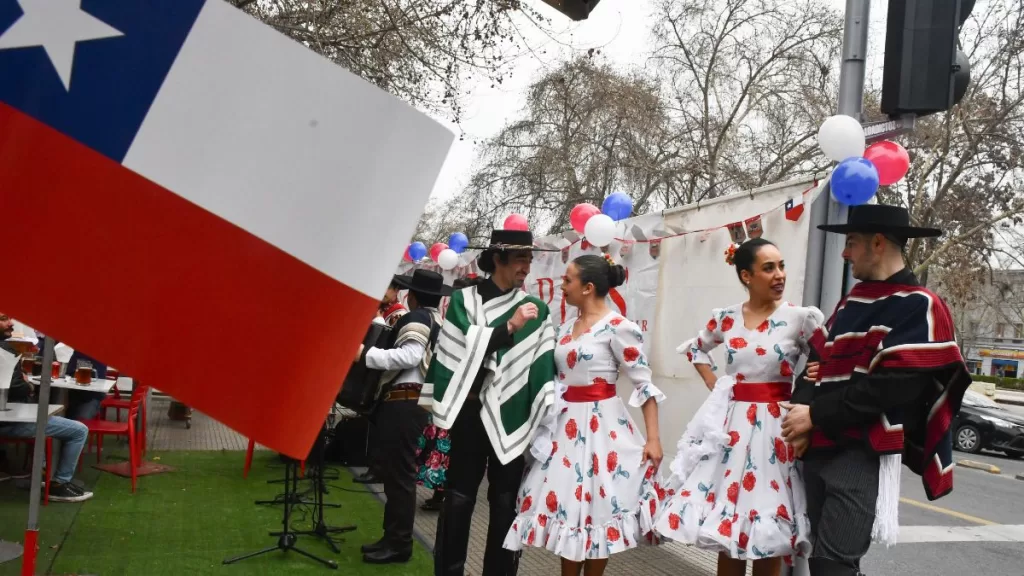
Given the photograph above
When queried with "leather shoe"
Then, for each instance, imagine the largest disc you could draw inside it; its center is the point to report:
(369, 548)
(387, 556)
(366, 478)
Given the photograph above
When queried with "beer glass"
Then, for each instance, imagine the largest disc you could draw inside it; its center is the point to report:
(55, 371)
(27, 363)
(83, 373)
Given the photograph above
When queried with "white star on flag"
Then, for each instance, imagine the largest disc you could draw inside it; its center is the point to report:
(57, 26)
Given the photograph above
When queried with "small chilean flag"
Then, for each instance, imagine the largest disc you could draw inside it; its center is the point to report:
(795, 208)
(203, 203)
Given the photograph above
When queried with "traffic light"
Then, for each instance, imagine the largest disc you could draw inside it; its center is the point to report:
(924, 70)
(575, 9)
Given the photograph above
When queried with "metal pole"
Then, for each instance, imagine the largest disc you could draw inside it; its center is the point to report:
(835, 274)
(38, 453)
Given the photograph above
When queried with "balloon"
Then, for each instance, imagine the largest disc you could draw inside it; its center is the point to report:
(841, 137)
(891, 160)
(417, 251)
(618, 206)
(458, 242)
(580, 215)
(600, 230)
(516, 222)
(854, 181)
(448, 259)
(406, 256)
(436, 249)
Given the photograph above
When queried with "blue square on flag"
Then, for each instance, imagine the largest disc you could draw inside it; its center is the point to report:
(208, 202)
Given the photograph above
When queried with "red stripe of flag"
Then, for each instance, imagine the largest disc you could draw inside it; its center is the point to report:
(171, 294)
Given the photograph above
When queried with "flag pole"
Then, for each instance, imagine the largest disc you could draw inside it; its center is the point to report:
(28, 561)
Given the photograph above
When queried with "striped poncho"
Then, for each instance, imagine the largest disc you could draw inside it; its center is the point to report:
(518, 389)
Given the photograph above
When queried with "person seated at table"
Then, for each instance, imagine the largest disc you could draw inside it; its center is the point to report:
(71, 434)
(82, 404)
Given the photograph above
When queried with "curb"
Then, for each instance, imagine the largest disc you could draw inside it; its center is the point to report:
(979, 466)
(1011, 402)
(1019, 476)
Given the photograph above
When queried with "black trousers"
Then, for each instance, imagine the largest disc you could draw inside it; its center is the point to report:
(400, 424)
(472, 456)
(841, 493)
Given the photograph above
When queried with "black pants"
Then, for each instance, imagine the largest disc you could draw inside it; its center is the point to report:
(472, 456)
(400, 424)
(841, 493)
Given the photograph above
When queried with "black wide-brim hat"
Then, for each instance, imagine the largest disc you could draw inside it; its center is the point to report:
(880, 219)
(511, 241)
(424, 282)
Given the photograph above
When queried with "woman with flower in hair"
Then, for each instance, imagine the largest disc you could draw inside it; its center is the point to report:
(734, 487)
(590, 492)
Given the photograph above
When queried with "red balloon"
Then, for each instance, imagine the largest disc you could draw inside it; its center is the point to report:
(891, 159)
(406, 256)
(516, 222)
(436, 249)
(580, 214)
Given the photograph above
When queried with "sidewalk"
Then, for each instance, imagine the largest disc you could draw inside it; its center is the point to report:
(1009, 397)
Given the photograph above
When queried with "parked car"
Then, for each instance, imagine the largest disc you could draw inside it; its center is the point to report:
(983, 424)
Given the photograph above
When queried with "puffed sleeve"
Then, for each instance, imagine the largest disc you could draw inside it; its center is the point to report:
(812, 322)
(708, 338)
(627, 346)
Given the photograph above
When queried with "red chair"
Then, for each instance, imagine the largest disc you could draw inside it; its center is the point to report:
(120, 404)
(100, 428)
(114, 400)
(30, 442)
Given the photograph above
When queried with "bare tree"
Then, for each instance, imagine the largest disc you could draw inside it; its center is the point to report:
(423, 51)
(751, 82)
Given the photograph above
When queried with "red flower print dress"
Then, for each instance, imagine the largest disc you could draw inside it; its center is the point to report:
(742, 495)
(591, 496)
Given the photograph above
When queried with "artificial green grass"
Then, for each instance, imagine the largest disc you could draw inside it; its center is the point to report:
(188, 521)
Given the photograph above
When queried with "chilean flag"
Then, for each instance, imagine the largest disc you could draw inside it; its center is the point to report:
(203, 203)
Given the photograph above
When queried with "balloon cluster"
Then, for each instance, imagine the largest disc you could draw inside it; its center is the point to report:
(860, 171)
(598, 226)
(446, 255)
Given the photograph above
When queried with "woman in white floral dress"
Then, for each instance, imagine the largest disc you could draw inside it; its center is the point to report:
(734, 488)
(590, 493)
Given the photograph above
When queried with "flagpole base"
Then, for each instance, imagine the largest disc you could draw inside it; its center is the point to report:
(28, 561)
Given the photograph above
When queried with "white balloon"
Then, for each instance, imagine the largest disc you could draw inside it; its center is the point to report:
(841, 137)
(447, 259)
(600, 230)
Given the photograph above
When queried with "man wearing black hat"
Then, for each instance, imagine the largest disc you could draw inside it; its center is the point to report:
(491, 382)
(404, 362)
(889, 382)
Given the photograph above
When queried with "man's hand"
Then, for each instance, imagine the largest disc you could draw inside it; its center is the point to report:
(797, 421)
(812, 371)
(523, 314)
(800, 445)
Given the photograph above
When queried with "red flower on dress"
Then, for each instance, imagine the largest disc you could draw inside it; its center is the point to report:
(685, 493)
(780, 450)
(615, 321)
(531, 537)
(764, 326)
(785, 369)
(734, 492)
(613, 435)
(565, 340)
(566, 462)
(613, 534)
(740, 378)
(579, 492)
(561, 375)
(673, 521)
(588, 498)
(728, 473)
(711, 498)
(790, 453)
(749, 480)
(752, 414)
(552, 502)
(630, 354)
(753, 515)
(727, 323)
(570, 359)
(527, 503)
(760, 351)
(774, 410)
(554, 448)
(649, 473)
(588, 522)
(782, 512)
(599, 382)
(744, 540)
(654, 507)
(602, 492)
(737, 343)
(775, 485)
(712, 324)
(571, 429)
(725, 528)
(734, 437)
(689, 356)
(595, 464)
(613, 461)
(542, 519)
(593, 423)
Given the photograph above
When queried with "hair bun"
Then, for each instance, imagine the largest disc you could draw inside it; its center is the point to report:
(616, 275)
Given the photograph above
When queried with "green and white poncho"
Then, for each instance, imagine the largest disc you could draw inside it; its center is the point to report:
(519, 388)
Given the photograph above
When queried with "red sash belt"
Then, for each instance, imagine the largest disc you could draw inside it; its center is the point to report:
(591, 393)
(762, 392)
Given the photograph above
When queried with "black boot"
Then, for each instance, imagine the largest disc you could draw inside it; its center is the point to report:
(497, 560)
(452, 540)
(433, 504)
(378, 545)
(828, 567)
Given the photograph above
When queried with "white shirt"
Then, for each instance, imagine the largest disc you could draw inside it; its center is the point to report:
(406, 358)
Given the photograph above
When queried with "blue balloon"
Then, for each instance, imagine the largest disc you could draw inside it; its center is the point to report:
(854, 181)
(458, 242)
(417, 251)
(618, 206)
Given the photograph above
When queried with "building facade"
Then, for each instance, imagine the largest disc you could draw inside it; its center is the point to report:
(991, 326)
